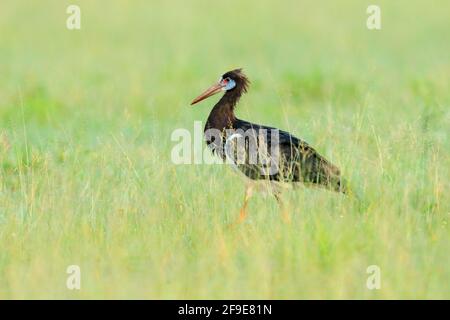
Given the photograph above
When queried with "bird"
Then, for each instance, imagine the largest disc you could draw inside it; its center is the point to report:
(264, 155)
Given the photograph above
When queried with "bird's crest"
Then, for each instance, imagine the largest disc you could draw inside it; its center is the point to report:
(244, 80)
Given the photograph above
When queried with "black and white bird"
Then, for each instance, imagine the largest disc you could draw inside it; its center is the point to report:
(263, 154)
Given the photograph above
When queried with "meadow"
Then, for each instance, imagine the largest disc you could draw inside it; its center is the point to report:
(86, 176)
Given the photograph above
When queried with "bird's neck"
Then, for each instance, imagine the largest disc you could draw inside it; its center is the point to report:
(222, 115)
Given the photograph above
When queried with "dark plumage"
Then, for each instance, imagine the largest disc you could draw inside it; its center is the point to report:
(296, 160)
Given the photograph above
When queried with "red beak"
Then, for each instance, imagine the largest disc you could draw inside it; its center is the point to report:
(208, 93)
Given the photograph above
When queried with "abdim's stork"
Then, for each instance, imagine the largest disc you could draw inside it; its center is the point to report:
(263, 154)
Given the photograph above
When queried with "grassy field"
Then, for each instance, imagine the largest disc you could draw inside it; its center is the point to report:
(86, 176)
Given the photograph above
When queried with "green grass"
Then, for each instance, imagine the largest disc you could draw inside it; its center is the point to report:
(85, 170)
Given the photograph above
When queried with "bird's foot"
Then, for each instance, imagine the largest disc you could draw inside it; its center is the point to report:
(242, 215)
(240, 219)
(286, 217)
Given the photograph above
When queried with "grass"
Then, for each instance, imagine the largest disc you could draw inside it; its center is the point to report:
(85, 170)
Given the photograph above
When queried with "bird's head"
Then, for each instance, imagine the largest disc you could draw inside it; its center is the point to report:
(232, 82)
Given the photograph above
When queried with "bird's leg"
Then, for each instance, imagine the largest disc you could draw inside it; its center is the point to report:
(284, 212)
(248, 194)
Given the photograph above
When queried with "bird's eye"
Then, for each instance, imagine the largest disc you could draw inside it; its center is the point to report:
(228, 83)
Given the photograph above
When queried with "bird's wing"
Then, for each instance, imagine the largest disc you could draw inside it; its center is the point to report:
(294, 160)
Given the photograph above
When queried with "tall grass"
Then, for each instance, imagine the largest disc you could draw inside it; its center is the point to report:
(86, 176)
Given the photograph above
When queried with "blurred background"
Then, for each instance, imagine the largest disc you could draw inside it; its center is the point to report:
(85, 171)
